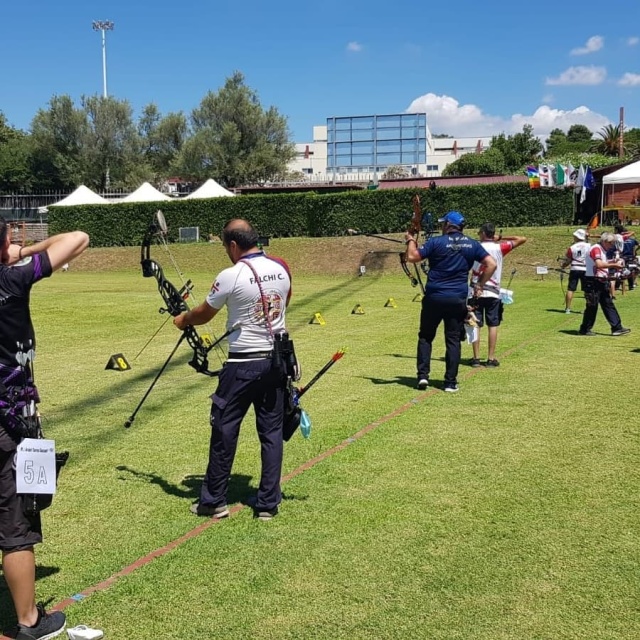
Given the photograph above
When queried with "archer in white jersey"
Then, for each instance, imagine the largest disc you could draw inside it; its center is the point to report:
(575, 258)
(256, 292)
(489, 307)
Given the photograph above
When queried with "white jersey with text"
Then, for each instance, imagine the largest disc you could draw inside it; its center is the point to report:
(497, 250)
(596, 253)
(236, 287)
(577, 253)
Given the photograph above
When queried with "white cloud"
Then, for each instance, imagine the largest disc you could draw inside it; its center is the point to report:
(548, 98)
(630, 80)
(446, 115)
(633, 41)
(594, 43)
(579, 75)
(356, 47)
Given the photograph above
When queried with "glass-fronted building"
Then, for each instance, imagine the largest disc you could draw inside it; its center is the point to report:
(372, 144)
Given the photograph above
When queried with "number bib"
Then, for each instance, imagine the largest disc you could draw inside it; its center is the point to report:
(36, 466)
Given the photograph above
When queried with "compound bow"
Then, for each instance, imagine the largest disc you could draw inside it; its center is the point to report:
(174, 298)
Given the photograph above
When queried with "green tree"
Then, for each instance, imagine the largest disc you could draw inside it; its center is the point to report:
(162, 139)
(557, 139)
(519, 149)
(489, 162)
(609, 141)
(395, 171)
(58, 134)
(112, 149)
(579, 133)
(15, 152)
(234, 140)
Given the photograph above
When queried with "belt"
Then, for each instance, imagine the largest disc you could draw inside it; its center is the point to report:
(252, 355)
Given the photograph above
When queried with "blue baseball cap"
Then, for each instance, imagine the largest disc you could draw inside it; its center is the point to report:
(453, 217)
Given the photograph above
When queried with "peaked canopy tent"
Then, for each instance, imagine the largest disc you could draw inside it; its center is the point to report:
(82, 195)
(210, 189)
(145, 193)
(624, 179)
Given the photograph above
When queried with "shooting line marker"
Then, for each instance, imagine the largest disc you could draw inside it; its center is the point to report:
(118, 362)
(317, 319)
(391, 303)
(357, 310)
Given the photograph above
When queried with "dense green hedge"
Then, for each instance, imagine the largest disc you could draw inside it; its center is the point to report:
(310, 214)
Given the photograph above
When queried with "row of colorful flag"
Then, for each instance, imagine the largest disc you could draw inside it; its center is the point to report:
(562, 176)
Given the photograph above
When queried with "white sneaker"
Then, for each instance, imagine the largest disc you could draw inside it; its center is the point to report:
(82, 632)
(567, 310)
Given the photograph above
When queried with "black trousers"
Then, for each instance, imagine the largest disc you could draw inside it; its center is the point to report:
(241, 385)
(451, 311)
(596, 293)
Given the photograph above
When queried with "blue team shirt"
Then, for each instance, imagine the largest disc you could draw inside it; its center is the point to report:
(450, 257)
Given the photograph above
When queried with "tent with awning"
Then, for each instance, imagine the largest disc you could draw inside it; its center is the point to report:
(210, 189)
(145, 193)
(627, 175)
(82, 195)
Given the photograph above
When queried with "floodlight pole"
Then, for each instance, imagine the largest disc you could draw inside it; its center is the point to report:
(103, 26)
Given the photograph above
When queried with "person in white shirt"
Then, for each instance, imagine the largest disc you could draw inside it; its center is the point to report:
(597, 290)
(256, 291)
(488, 307)
(575, 259)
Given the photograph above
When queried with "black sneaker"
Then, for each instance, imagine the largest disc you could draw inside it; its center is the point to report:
(587, 333)
(206, 510)
(451, 387)
(423, 383)
(492, 363)
(266, 514)
(49, 625)
(475, 362)
(621, 332)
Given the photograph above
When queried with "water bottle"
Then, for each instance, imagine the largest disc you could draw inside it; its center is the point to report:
(305, 424)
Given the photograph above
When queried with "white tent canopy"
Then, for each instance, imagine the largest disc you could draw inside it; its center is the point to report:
(82, 195)
(627, 175)
(210, 189)
(145, 193)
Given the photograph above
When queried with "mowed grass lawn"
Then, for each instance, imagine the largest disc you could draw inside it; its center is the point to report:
(507, 511)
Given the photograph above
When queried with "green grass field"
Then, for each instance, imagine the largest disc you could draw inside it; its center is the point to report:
(507, 511)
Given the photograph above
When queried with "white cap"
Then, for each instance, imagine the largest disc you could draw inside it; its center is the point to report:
(581, 234)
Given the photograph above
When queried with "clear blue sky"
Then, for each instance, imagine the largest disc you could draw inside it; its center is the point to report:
(475, 68)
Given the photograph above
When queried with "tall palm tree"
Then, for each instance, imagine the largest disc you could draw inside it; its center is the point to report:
(609, 141)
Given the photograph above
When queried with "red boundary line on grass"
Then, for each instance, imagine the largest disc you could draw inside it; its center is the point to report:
(146, 559)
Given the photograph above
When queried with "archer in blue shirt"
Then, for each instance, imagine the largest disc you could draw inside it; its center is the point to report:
(450, 258)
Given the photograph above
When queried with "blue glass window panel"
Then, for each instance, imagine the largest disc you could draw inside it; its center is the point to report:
(343, 147)
(410, 132)
(362, 147)
(365, 122)
(388, 121)
(331, 149)
(388, 146)
(422, 157)
(343, 136)
(364, 134)
(389, 134)
(330, 136)
(362, 159)
(409, 145)
(389, 158)
(422, 144)
(330, 124)
(432, 167)
(343, 123)
(409, 158)
(410, 119)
